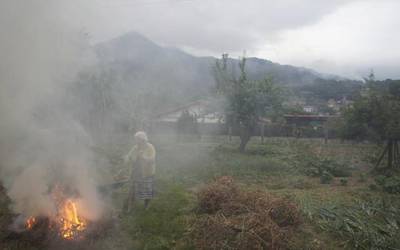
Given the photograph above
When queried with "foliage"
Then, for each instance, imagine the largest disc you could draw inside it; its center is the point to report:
(389, 184)
(376, 116)
(343, 181)
(187, 123)
(376, 111)
(371, 224)
(317, 166)
(247, 100)
(362, 177)
(326, 89)
(326, 177)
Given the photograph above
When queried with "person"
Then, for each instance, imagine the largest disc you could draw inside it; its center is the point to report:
(142, 160)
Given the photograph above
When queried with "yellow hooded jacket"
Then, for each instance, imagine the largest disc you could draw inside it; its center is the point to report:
(148, 155)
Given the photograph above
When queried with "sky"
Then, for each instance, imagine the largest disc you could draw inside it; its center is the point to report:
(344, 37)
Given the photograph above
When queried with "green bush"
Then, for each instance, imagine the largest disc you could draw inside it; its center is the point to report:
(363, 177)
(373, 187)
(335, 168)
(389, 184)
(314, 166)
(343, 181)
(326, 177)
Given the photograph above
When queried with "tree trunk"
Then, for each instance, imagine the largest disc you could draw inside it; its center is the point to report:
(262, 128)
(396, 153)
(326, 135)
(245, 135)
(390, 153)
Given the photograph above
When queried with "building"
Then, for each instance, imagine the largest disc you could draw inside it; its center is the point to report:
(310, 109)
(207, 118)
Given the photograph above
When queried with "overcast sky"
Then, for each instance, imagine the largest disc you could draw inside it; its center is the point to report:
(346, 37)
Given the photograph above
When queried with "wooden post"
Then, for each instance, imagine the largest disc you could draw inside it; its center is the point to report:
(395, 156)
(262, 130)
(326, 135)
(381, 157)
(390, 153)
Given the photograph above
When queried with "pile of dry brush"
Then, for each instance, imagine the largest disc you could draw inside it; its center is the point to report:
(230, 218)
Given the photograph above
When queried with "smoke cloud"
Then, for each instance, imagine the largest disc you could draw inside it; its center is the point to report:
(42, 49)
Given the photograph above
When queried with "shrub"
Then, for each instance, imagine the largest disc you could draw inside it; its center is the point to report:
(373, 187)
(334, 168)
(343, 181)
(389, 184)
(326, 177)
(363, 177)
(315, 166)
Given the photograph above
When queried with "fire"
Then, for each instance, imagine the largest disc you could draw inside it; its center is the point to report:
(67, 220)
(30, 222)
(71, 223)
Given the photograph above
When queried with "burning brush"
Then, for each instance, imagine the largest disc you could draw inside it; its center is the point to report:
(67, 221)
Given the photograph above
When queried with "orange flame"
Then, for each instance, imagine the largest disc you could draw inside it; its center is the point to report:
(71, 223)
(30, 222)
(66, 220)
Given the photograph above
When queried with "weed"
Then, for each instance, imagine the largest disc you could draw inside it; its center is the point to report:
(372, 224)
(343, 181)
(326, 177)
(389, 184)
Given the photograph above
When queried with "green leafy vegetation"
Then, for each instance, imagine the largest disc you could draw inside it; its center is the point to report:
(389, 184)
(326, 89)
(369, 224)
(247, 100)
(375, 115)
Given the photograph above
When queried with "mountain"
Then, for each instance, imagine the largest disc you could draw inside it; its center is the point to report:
(135, 78)
(144, 63)
(147, 65)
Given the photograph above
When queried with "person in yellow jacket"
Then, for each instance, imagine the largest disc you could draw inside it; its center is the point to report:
(142, 160)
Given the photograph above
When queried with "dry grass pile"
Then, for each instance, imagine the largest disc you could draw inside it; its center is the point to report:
(230, 218)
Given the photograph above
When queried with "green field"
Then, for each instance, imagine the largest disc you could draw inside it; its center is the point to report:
(340, 203)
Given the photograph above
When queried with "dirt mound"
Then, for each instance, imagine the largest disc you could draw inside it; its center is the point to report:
(230, 218)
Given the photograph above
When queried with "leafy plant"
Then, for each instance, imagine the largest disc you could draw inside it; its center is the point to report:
(363, 177)
(315, 166)
(343, 181)
(389, 184)
(326, 177)
(371, 224)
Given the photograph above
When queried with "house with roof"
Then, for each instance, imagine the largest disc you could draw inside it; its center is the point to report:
(207, 119)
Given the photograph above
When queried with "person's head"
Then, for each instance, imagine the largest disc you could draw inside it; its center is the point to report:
(141, 138)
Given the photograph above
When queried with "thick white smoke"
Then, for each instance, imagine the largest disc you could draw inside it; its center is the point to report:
(42, 48)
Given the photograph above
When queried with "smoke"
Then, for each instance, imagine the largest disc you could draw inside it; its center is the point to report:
(43, 46)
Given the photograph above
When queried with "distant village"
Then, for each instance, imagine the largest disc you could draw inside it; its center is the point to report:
(205, 119)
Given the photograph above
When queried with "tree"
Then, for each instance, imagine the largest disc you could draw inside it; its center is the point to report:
(376, 115)
(246, 100)
(187, 124)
